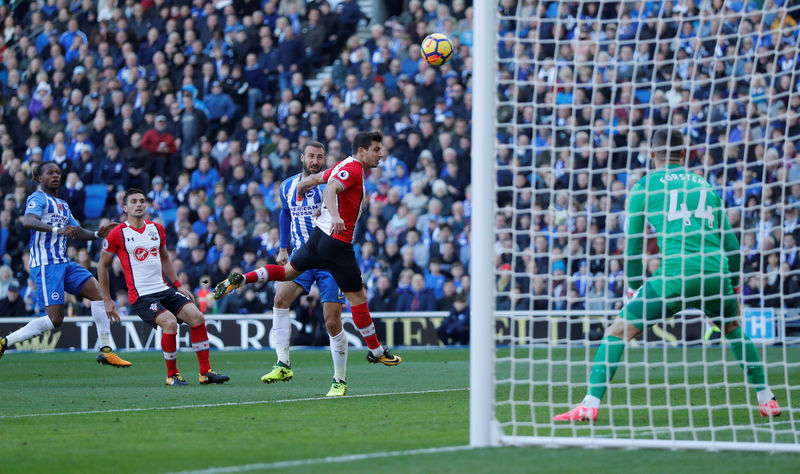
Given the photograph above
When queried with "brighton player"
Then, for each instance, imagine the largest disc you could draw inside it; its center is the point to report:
(699, 269)
(330, 245)
(296, 224)
(51, 223)
(142, 251)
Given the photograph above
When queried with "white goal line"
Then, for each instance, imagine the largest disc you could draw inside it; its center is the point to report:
(228, 404)
(331, 459)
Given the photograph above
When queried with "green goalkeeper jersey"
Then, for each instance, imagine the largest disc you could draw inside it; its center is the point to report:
(690, 224)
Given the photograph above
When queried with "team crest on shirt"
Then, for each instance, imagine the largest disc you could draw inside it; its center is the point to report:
(154, 307)
(343, 175)
(153, 235)
(310, 194)
(141, 253)
(54, 296)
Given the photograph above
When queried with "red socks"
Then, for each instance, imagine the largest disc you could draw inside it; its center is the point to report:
(266, 273)
(199, 338)
(169, 344)
(363, 322)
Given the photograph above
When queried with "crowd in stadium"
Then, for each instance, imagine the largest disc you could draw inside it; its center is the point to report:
(205, 106)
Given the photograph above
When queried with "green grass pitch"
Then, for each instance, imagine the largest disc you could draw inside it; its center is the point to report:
(61, 412)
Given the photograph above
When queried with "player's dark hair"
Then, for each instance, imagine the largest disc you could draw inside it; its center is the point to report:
(314, 144)
(365, 139)
(667, 142)
(37, 172)
(131, 192)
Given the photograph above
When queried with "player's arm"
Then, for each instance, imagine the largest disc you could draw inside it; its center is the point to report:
(78, 232)
(284, 229)
(34, 209)
(102, 277)
(332, 190)
(169, 271)
(310, 181)
(634, 237)
(732, 249)
(34, 222)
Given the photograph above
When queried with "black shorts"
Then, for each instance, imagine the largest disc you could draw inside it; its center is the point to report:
(324, 252)
(148, 307)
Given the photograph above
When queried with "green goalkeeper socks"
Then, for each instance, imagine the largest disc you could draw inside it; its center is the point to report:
(605, 365)
(752, 364)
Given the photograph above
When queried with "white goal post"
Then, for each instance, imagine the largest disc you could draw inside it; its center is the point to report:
(549, 174)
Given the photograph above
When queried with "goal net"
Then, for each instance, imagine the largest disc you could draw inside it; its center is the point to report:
(580, 89)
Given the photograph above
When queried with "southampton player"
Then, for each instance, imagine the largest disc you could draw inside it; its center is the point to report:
(330, 245)
(51, 223)
(699, 269)
(296, 221)
(142, 251)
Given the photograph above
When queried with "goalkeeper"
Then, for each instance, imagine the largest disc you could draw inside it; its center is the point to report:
(699, 250)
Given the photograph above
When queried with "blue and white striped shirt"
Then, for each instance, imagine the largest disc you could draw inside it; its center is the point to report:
(300, 212)
(46, 248)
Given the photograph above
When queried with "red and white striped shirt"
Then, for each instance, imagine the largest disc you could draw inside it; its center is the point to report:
(139, 252)
(350, 174)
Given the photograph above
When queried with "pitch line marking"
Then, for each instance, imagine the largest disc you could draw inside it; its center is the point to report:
(228, 404)
(330, 459)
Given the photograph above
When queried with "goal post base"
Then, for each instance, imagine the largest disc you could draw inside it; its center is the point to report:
(589, 443)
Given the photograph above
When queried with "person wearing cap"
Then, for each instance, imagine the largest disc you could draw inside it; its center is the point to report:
(221, 109)
(13, 304)
(79, 80)
(161, 145)
(81, 142)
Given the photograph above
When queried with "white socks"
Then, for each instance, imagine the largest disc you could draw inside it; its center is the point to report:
(102, 323)
(282, 331)
(339, 355)
(764, 396)
(590, 401)
(32, 329)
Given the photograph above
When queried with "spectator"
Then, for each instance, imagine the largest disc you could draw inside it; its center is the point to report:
(221, 109)
(13, 304)
(205, 176)
(385, 297)
(417, 298)
(455, 328)
(161, 145)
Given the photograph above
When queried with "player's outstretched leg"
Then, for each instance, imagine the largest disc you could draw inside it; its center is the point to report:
(261, 274)
(234, 281)
(605, 364)
(103, 324)
(34, 327)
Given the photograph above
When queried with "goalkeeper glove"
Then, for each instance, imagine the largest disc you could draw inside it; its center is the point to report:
(736, 289)
(629, 293)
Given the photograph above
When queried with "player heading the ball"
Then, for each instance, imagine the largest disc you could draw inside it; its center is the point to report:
(699, 269)
(330, 245)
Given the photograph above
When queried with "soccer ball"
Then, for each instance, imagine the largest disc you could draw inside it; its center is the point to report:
(437, 49)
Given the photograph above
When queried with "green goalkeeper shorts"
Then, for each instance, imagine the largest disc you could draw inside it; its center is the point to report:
(663, 296)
